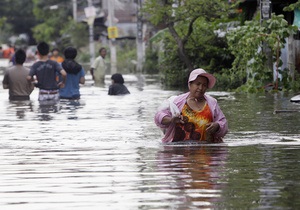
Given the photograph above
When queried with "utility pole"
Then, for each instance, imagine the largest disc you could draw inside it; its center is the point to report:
(265, 14)
(265, 10)
(139, 37)
(90, 13)
(74, 10)
(112, 41)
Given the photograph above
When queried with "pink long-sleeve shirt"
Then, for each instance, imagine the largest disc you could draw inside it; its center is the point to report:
(179, 101)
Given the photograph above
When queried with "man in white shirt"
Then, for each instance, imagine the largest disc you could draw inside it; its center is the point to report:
(98, 68)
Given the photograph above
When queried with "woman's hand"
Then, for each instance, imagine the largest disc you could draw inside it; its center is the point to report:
(177, 119)
(212, 128)
(169, 120)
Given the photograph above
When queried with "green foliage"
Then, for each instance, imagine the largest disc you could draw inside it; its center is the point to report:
(15, 18)
(5, 32)
(43, 32)
(292, 7)
(204, 48)
(83, 56)
(295, 85)
(52, 21)
(191, 41)
(2, 21)
(227, 81)
(249, 45)
(151, 63)
(126, 55)
(164, 12)
(175, 78)
(73, 34)
(288, 83)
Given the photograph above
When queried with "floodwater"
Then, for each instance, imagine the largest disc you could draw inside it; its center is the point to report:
(105, 152)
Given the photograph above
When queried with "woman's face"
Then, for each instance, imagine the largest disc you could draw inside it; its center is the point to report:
(198, 87)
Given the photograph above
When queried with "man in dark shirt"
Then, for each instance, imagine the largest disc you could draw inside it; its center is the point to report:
(46, 72)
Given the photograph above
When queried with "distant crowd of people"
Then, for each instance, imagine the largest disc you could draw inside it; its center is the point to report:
(55, 76)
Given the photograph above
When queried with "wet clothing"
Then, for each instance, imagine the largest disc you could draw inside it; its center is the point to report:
(179, 102)
(71, 66)
(195, 124)
(118, 89)
(46, 73)
(15, 80)
(74, 73)
(46, 95)
(71, 89)
(99, 67)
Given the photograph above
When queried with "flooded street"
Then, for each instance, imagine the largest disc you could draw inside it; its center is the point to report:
(105, 152)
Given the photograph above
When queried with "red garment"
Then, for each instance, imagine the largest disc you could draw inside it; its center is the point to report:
(7, 53)
(195, 124)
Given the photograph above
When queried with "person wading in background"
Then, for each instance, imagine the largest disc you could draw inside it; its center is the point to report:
(117, 87)
(75, 75)
(55, 56)
(46, 72)
(98, 68)
(15, 79)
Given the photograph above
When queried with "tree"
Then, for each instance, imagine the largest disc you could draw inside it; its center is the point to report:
(246, 44)
(180, 16)
(51, 21)
(190, 38)
(16, 18)
(57, 25)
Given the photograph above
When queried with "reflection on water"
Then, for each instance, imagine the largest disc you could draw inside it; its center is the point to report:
(192, 174)
(19, 107)
(252, 119)
(46, 108)
(105, 151)
(262, 177)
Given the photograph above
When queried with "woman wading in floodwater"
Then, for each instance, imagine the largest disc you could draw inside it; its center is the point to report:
(193, 115)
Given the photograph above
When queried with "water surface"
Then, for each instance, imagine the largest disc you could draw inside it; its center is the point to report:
(105, 151)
